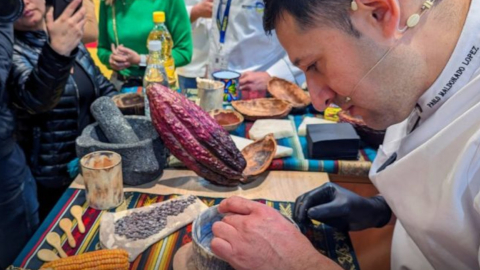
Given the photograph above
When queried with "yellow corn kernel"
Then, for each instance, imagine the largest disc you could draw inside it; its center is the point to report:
(115, 259)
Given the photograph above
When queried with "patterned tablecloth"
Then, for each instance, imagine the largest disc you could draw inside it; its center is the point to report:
(334, 244)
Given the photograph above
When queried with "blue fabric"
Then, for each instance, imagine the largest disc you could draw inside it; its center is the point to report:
(72, 168)
(18, 206)
(127, 90)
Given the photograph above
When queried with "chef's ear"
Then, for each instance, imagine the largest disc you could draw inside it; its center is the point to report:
(378, 19)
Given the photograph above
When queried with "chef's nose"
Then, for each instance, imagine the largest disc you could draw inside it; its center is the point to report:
(320, 93)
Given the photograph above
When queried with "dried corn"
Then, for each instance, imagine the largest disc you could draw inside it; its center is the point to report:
(115, 259)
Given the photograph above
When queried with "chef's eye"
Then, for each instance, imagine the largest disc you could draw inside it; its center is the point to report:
(312, 67)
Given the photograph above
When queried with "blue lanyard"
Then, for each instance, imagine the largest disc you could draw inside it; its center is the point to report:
(222, 24)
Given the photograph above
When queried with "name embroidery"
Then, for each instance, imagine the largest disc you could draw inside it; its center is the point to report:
(456, 76)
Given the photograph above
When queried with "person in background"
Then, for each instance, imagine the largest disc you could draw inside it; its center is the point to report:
(124, 26)
(53, 82)
(90, 31)
(200, 12)
(244, 47)
(18, 192)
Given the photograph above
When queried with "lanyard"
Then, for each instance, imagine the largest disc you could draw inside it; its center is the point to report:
(222, 24)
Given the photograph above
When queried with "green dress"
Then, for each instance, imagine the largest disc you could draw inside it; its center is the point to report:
(134, 21)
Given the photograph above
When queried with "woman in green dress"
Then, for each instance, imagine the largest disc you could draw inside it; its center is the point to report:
(124, 26)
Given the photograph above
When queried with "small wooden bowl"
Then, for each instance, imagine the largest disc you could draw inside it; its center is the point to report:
(130, 103)
(259, 156)
(262, 108)
(230, 120)
(285, 90)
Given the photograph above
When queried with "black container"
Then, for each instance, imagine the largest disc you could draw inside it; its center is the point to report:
(332, 142)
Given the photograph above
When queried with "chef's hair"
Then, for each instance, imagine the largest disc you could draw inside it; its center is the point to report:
(310, 13)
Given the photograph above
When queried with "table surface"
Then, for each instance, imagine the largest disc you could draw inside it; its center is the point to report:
(273, 185)
(281, 186)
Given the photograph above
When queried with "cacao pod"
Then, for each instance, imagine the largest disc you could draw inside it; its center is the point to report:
(194, 137)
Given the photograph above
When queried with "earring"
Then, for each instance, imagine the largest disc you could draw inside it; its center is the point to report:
(354, 5)
(348, 99)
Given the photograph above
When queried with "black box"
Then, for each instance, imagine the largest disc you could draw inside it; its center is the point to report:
(332, 142)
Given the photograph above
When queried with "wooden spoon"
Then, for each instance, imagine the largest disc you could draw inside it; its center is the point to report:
(54, 240)
(47, 255)
(77, 212)
(66, 226)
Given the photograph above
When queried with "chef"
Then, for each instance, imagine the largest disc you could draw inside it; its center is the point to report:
(239, 43)
(412, 67)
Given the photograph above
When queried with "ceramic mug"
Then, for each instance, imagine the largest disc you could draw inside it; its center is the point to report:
(231, 79)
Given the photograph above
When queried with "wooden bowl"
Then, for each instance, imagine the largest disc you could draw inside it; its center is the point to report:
(230, 120)
(259, 156)
(285, 90)
(262, 108)
(130, 103)
(370, 136)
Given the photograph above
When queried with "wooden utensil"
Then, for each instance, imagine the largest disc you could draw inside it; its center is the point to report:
(262, 108)
(66, 226)
(259, 156)
(285, 90)
(77, 212)
(183, 259)
(228, 119)
(54, 240)
(47, 255)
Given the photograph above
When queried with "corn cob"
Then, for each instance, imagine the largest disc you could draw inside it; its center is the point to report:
(115, 259)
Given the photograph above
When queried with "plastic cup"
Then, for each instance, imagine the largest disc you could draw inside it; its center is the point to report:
(212, 98)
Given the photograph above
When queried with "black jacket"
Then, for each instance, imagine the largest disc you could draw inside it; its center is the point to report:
(47, 98)
(6, 117)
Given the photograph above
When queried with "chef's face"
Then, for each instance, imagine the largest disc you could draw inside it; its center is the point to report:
(335, 61)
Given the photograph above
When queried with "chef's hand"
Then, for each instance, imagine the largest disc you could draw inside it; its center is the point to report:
(201, 10)
(341, 208)
(254, 81)
(67, 30)
(255, 236)
(118, 61)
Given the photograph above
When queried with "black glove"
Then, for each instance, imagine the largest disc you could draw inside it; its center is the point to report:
(341, 208)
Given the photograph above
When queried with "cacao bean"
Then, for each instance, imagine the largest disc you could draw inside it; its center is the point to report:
(194, 138)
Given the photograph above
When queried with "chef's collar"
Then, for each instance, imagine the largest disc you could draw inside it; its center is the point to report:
(459, 70)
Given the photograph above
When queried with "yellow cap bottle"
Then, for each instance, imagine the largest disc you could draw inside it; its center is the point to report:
(158, 17)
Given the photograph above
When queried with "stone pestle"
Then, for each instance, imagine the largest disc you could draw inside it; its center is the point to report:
(112, 122)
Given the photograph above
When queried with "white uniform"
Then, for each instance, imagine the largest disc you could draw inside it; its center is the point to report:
(433, 186)
(200, 31)
(247, 47)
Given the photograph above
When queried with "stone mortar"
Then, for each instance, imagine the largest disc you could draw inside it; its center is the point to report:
(142, 161)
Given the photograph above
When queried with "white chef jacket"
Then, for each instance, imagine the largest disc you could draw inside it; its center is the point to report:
(247, 46)
(433, 181)
(200, 31)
